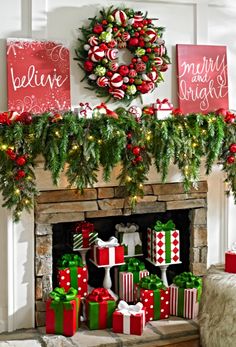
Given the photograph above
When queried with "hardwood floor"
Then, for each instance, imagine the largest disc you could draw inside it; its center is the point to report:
(177, 342)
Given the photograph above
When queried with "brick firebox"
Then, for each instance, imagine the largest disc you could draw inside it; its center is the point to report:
(68, 205)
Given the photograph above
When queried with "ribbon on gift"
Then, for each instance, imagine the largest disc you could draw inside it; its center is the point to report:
(71, 261)
(158, 105)
(99, 294)
(130, 310)
(85, 228)
(133, 265)
(112, 242)
(184, 281)
(159, 226)
(152, 282)
(62, 300)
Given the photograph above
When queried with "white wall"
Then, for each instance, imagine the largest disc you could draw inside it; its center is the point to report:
(196, 21)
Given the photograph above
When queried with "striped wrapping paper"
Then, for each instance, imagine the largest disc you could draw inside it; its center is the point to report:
(184, 302)
(80, 242)
(127, 285)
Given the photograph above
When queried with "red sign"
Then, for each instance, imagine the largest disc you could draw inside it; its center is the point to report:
(38, 74)
(202, 78)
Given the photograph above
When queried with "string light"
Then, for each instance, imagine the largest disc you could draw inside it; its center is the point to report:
(128, 179)
(118, 133)
(75, 147)
(26, 201)
(140, 185)
(90, 138)
(17, 191)
(194, 145)
(57, 133)
(99, 141)
(3, 147)
(29, 178)
(204, 131)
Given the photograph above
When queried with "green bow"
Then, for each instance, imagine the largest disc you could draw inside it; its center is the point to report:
(60, 295)
(187, 280)
(132, 264)
(152, 282)
(164, 226)
(70, 260)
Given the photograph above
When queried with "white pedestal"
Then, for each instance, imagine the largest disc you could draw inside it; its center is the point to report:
(83, 252)
(164, 268)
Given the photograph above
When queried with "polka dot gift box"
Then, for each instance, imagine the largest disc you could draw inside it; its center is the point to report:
(163, 243)
(155, 297)
(71, 272)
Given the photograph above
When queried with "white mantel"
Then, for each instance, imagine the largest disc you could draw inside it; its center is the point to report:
(186, 21)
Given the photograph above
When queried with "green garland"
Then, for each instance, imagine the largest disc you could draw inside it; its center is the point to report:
(86, 144)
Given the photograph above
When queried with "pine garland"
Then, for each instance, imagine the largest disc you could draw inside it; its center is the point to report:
(85, 145)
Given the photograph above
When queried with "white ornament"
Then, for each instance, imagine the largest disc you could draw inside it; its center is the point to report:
(93, 77)
(86, 47)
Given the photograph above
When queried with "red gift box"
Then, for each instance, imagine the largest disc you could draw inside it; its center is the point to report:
(107, 252)
(62, 314)
(230, 262)
(156, 302)
(129, 319)
(76, 277)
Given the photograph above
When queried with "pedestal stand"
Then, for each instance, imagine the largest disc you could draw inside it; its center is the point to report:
(164, 268)
(83, 252)
(107, 283)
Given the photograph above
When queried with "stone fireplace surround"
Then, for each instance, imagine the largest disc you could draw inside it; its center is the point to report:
(68, 205)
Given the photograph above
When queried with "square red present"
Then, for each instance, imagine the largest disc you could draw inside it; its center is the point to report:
(230, 262)
(107, 255)
(76, 277)
(131, 323)
(156, 302)
(62, 317)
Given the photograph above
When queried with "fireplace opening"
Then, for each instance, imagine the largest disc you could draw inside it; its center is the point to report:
(63, 241)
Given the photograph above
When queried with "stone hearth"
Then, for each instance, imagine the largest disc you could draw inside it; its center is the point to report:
(68, 205)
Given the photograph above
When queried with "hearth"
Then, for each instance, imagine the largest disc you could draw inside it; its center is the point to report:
(58, 211)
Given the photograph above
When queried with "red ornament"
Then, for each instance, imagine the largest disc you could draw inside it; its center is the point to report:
(129, 136)
(232, 148)
(221, 112)
(230, 159)
(11, 154)
(98, 29)
(164, 67)
(123, 70)
(20, 173)
(141, 43)
(139, 159)
(133, 41)
(88, 66)
(145, 58)
(177, 112)
(229, 117)
(25, 118)
(103, 46)
(136, 150)
(21, 160)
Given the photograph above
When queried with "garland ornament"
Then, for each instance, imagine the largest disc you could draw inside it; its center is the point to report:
(98, 54)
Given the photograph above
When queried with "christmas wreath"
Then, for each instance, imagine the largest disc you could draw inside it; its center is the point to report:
(98, 54)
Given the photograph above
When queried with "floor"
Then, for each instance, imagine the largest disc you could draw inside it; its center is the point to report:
(173, 332)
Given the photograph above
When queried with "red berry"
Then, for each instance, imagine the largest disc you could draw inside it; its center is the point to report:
(103, 46)
(129, 135)
(139, 159)
(129, 146)
(148, 50)
(131, 80)
(145, 58)
(123, 70)
(104, 22)
(142, 32)
(134, 60)
(232, 148)
(141, 43)
(11, 154)
(115, 29)
(136, 34)
(124, 87)
(21, 161)
(131, 66)
(230, 159)
(134, 41)
(109, 74)
(20, 173)
(136, 150)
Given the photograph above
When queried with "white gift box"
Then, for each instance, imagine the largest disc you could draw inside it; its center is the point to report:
(162, 109)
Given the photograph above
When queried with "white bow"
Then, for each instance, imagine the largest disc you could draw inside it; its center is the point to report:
(129, 310)
(129, 228)
(112, 242)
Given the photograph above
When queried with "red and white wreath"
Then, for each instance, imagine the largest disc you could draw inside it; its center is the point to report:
(98, 54)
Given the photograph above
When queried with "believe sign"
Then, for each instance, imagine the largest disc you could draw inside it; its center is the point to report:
(38, 76)
(202, 78)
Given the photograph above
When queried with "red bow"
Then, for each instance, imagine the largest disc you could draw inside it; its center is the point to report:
(109, 112)
(99, 294)
(84, 227)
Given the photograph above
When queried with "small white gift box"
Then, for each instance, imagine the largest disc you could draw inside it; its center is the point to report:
(162, 109)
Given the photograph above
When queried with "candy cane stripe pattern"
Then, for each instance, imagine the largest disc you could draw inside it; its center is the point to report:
(110, 31)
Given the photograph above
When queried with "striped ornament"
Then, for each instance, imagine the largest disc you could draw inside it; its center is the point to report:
(112, 53)
(158, 61)
(96, 54)
(151, 34)
(117, 93)
(116, 80)
(132, 73)
(125, 36)
(120, 17)
(138, 18)
(93, 41)
(102, 81)
(113, 66)
(122, 44)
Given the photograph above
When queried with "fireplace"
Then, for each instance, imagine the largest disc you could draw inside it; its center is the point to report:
(62, 208)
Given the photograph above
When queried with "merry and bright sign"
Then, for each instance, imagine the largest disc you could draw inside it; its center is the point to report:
(202, 78)
(38, 75)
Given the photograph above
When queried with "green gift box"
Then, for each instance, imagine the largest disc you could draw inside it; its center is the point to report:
(100, 306)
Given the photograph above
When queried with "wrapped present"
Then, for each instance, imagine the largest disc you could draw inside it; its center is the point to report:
(84, 235)
(230, 259)
(107, 252)
(71, 272)
(130, 274)
(100, 306)
(185, 295)
(155, 297)
(162, 109)
(129, 237)
(129, 319)
(163, 243)
(62, 312)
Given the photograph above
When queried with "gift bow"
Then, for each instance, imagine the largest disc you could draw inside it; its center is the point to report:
(70, 260)
(164, 226)
(112, 242)
(129, 310)
(132, 264)
(128, 228)
(152, 282)
(59, 294)
(187, 280)
(109, 112)
(164, 101)
(99, 294)
(84, 227)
